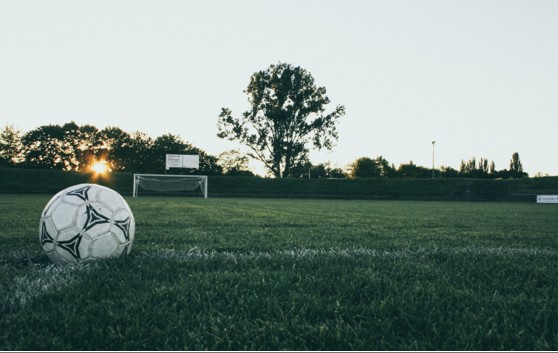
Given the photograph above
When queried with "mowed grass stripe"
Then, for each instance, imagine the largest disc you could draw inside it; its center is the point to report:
(230, 274)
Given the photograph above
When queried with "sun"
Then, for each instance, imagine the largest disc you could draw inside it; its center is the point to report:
(100, 167)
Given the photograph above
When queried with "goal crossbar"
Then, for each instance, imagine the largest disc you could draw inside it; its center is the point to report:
(168, 182)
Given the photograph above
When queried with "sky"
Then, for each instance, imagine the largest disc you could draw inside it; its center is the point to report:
(479, 77)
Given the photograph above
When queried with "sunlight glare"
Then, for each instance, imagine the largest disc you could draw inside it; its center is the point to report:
(100, 167)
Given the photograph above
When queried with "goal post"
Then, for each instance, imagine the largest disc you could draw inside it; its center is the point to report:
(170, 183)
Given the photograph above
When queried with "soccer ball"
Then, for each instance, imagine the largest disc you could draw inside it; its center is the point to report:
(86, 222)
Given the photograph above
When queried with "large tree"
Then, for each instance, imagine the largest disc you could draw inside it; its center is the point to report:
(67, 147)
(46, 147)
(234, 163)
(516, 167)
(365, 167)
(115, 147)
(10, 145)
(286, 117)
(515, 164)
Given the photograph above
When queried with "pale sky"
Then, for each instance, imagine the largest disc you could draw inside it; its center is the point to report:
(479, 77)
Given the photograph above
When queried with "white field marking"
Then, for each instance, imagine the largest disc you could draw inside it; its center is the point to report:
(41, 280)
(196, 253)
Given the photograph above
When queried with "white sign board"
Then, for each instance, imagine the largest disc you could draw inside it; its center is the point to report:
(547, 198)
(182, 161)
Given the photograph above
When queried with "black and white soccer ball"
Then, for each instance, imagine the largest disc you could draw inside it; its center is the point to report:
(86, 222)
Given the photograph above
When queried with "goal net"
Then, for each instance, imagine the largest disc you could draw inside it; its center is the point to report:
(170, 183)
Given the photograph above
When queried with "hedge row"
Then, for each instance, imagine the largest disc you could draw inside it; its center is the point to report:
(35, 181)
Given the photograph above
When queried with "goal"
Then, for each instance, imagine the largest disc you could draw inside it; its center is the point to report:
(170, 183)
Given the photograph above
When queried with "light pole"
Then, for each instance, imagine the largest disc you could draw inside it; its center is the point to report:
(433, 142)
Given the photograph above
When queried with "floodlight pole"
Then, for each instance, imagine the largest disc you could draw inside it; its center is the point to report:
(433, 142)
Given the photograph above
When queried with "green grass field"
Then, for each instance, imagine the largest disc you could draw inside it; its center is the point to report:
(268, 274)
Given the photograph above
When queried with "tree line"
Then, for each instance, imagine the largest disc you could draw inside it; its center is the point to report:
(365, 167)
(73, 147)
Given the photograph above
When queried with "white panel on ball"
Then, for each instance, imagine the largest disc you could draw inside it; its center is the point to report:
(86, 222)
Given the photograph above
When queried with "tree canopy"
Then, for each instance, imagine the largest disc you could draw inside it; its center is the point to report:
(286, 117)
(74, 147)
(10, 145)
(365, 167)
